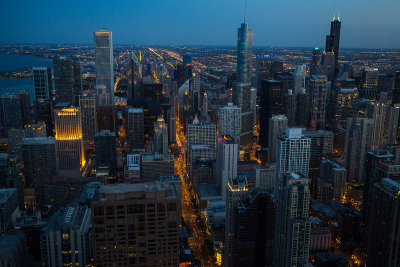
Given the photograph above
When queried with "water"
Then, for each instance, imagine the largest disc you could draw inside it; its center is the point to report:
(12, 62)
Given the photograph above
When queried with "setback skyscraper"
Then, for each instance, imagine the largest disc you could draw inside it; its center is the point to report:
(333, 40)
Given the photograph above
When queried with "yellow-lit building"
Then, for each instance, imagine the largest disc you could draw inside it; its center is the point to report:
(69, 144)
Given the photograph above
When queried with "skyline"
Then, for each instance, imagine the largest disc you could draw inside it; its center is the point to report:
(303, 25)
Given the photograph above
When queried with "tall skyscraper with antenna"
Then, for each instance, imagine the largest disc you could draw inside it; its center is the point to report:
(333, 39)
(242, 87)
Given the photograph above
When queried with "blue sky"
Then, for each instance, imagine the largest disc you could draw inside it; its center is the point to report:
(365, 23)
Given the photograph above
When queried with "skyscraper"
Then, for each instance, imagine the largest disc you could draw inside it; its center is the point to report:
(382, 236)
(25, 107)
(104, 67)
(299, 77)
(292, 229)
(106, 149)
(277, 127)
(11, 111)
(145, 225)
(227, 157)
(386, 119)
(229, 121)
(271, 102)
(134, 128)
(333, 41)
(67, 80)
(39, 158)
(318, 89)
(87, 105)
(242, 87)
(69, 144)
(11, 176)
(160, 142)
(67, 238)
(293, 155)
(201, 133)
(358, 142)
(44, 112)
(42, 82)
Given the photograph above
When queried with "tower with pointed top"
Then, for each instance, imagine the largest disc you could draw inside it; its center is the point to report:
(333, 39)
(242, 86)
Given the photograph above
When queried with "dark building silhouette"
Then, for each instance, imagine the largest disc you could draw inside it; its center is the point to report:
(333, 40)
(44, 112)
(271, 101)
(106, 118)
(106, 149)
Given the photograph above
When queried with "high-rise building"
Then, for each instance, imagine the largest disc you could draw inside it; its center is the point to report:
(144, 229)
(106, 118)
(335, 173)
(9, 209)
(333, 41)
(155, 165)
(11, 111)
(386, 118)
(369, 83)
(374, 174)
(11, 176)
(171, 125)
(345, 105)
(292, 229)
(69, 144)
(106, 149)
(293, 154)
(67, 80)
(201, 133)
(303, 109)
(271, 102)
(321, 144)
(35, 130)
(227, 158)
(265, 176)
(25, 100)
(229, 121)
(160, 142)
(104, 67)
(134, 76)
(316, 58)
(39, 158)
(328, 65)
(253, 234)
(242, 87)
(135, 128)
(299, 78)
(42, 82)
(318, 89)
(44, 113)
(132, 168)
(67, 238)
(290, 107)
(382, 236)
(87, 105)
(277, 127)
(266, 67)
(236, 191)
(358, 142)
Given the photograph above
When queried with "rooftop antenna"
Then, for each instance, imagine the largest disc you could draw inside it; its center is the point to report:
(334, 14)
(245, 4)
(338, 18)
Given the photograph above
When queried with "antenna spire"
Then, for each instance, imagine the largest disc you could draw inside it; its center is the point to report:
(245, 5)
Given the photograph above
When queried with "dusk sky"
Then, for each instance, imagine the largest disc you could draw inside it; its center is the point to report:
(365, 23)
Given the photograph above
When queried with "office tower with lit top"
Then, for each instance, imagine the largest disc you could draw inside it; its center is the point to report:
(333, 41)
(87, 105)
(242, 86)
(160, 142)
(69, 143)
(42, 82)
(104, 67)
(292, 229)
(144, 229)
(66, 240)
(229, 121)
(227, 158)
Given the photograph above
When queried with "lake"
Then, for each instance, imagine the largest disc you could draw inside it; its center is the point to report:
(12, 62)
